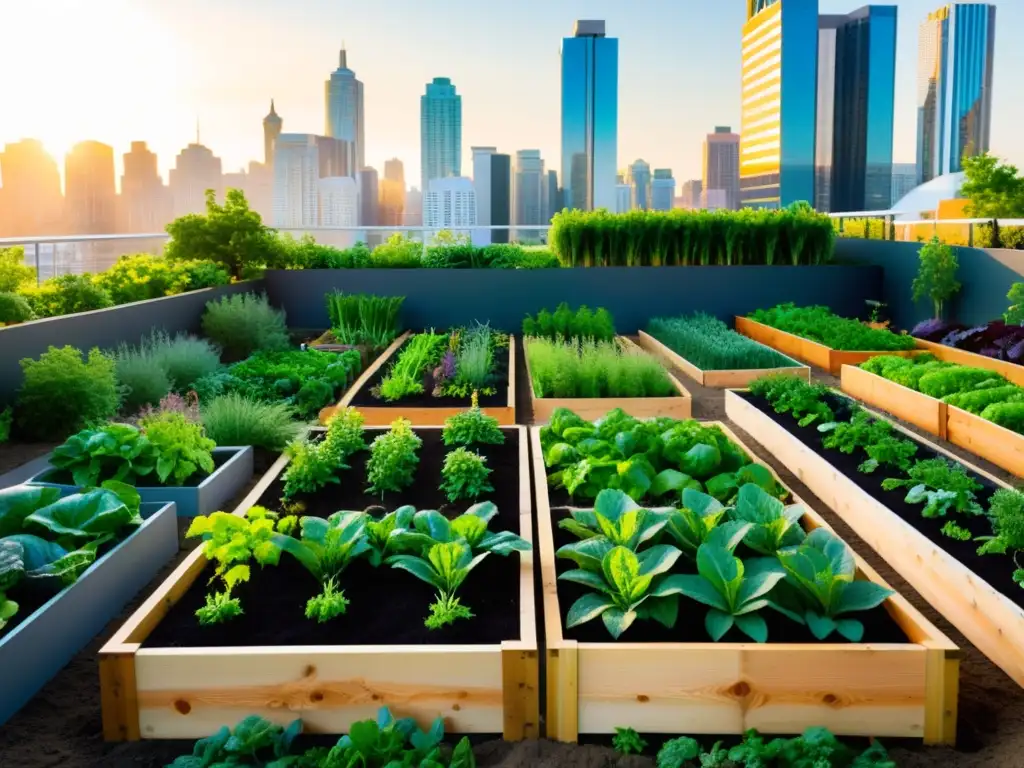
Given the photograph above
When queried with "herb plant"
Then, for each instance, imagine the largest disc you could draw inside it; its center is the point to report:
(405, 377)
(472, 427)
(590, 369)
(364, 319)
(788, 394)
(565, 324)
(314, 465)
(464, 475)
(943, 487)
(1006, 511)
(393, 458)
(254, 741)
(628, 742)
(709, 344)
(445, 567)
(243, 324)
(235, 419)
(820, 325)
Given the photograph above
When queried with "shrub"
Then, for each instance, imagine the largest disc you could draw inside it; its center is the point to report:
(936, 275)
(591, 369)
(819, 324)
(711, 345)
(67, 294)
(245, 323)
(461, 256)
(14, 309)
(306, 253)
(63, 392)
(1015, 314)
(397, 252)
(139, 277)
(1009, 415)
(143, 379)
(234, 419)
(14, 272)
(564, 324)
(186, 358)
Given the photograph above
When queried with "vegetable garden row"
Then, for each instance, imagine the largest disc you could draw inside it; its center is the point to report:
(387, 558)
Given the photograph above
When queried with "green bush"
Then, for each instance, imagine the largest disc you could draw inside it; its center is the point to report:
(306, 253)
(590, 369)
(1009, 415)
(397, 252)
(245, 323)
(144, 381)
(936, 275)
(14, 309)
(143, 276)
(67, 294)
(234, 419)
(186, 358)
(675, 238)
(819, 324)
(63, 392)
(709, 344)
(564, 324)
(14, 272)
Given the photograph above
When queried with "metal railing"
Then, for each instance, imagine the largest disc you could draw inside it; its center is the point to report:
(890, 225)
(53, 255)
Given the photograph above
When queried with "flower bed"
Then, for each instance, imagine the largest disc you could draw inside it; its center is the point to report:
(976, 593)
(165, 675)
(439, 365)
(900, 680)
(116, 557)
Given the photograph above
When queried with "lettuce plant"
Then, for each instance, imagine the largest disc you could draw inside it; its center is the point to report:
(95, 515)
(617, 518)
(627, 741)
(445, 566)
(430, 527)
(378, 533)
(702, 519)
(254, 741)
(822, 585)
(20, 501)
(181, 445)
(310, 469)
(1007, 514)
(774, 525)
(111, 452)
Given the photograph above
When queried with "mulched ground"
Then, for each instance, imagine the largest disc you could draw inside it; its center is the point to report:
(61, 726)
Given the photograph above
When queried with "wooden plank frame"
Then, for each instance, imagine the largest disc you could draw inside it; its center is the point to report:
(987, 618)
(893, 690)
(725, 378)
(187, 693)
(383, 415)
(1010, 371)
(832, 360)
(679, 407)
(992, 442)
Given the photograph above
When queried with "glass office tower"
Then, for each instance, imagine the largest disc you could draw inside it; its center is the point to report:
(780, 52)
(954, 89)
(590, 117)
(856, 98)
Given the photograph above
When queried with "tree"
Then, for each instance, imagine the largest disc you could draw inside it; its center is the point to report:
(936, 275)
(230, 234)
(995, 189)
(14, 273)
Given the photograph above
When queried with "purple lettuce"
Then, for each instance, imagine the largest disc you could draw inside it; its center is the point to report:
(995, 339)
(933, 329)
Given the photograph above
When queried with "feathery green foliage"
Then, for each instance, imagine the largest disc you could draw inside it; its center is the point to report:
(589, 369)
(709, 344)
(235, 419)
(363, 318)
(820, 325)
(245, 323)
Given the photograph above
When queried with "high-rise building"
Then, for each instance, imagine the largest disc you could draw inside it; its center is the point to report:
(339, 201)
(691, 193)
(528, 190)
(296, 181)
(501, 197)
(343, 97)
(440, 131)
(335, 157)
(392, 193)
(663, 189)
(779, 76)
(413, 216)
(623, 198)
(721, 164)
(590, 117)
(90, 197)
(954, 86)
(31, 202)
(368, 198)
(552, 195)
(145, 203)
(640, 183)
(713, 199)
(272, 125)
(482, 187)
(856, 100)
(904, 179)
(450, 203)
(196, 169)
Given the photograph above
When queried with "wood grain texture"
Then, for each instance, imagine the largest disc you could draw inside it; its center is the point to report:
(679, 407)
(118, 693)
(719, 688)
(1010, 371)
(725, 378)
(383, 415)
(1002, 446)
(904, 403)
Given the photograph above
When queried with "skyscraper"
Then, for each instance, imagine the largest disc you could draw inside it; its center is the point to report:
(691, 193)
(721, 164)
(343, 97)
(500, 194)
(338, 198)
(450, 203)
(368, 198)
(196, 169)
(904, 179)
(145, 203)
(296, 181)
(528, 190)
(954, 86)
(856, 98)
(89, 194)
(623, 197)
(482, 187)
(440, 131)
(640, 184)
(392, 193)
(272, 125)
(663, 189)
(553, 195)
(780, 58)
(590, 117)
(32, 202)
(413, 216)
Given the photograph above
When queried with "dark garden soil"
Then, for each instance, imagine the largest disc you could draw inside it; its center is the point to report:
(61, 727)
(14, 454)
(499, 380)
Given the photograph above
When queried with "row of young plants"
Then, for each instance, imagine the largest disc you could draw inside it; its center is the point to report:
(794, 236)
(712, 503)
(48, 542)
(951, 499)
(821, 325)
(439, 551)
(977, 390)
(363, 319)
(710, 344)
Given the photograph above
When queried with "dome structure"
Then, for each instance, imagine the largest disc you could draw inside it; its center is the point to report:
(926, 197)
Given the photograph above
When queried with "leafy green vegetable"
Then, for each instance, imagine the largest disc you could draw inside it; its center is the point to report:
(788, 394)
(701, 518)
(464, 475)
(405, 377)
(430, 527)
(472, 427)
(676, 753)
(378, 533)
(254, 741)
(627, 741)
(20, 501)
(819, 324)
(618, 518)
(111, 452)
(393, 458)
(445, 567)
(942, 485)
(774, 524)
(182, 447)
(708, 343)
(97, 514)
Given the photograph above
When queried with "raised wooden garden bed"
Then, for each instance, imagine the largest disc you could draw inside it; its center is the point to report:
(986, 617)
(382, 413)
(151, 691)
(721, 378)
(1010, 371)
(832, 360)
(234, 470)
(677, 407)
(41, 644)
(999, 445)
(882, 689)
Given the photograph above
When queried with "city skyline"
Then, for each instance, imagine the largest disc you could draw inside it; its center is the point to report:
(169, 88)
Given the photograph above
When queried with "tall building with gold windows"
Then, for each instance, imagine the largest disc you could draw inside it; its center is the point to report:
(779, 90)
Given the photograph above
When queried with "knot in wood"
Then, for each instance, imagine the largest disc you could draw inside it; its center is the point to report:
(740, 690)
(182, 707)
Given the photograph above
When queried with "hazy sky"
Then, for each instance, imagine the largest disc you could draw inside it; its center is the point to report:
(123, 70)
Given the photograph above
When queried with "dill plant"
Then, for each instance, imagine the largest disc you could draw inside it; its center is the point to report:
(711, 345)
(589, 369)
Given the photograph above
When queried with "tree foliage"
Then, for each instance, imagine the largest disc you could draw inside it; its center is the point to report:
(936, 274)
(14, 273)
(995, 189)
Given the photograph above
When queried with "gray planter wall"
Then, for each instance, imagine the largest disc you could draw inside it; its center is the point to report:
(105, 328)
(444, 298)
(986, 275)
